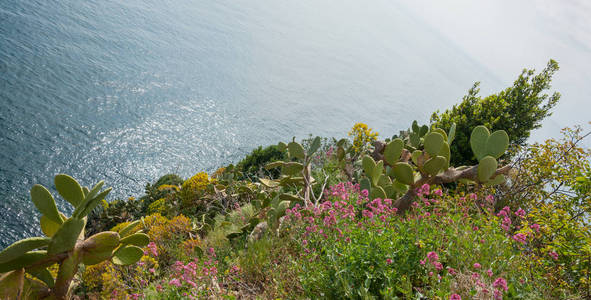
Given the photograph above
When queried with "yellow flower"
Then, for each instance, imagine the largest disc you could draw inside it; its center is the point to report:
(362, 135)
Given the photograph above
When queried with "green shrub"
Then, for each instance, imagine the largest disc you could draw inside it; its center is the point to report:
(518, 110)
(252, 166)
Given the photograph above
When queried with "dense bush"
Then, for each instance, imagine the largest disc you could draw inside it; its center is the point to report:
(518, 110)
(252, 165)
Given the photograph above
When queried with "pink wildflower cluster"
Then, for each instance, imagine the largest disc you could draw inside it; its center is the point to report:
(433, 258)
(500, 285)
(151, 249)
(190, 277)
(520, 238)
(504, 213)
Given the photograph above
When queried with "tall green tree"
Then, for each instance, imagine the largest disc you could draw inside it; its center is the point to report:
(518, 110)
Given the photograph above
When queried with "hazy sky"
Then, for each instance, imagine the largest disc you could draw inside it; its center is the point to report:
(506, 36)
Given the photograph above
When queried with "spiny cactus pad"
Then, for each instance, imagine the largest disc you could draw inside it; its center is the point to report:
(20, 247)
(69, 189)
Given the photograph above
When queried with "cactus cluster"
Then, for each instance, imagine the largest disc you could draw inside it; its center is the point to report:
(64, 244)
(297, 172)
(423, 156)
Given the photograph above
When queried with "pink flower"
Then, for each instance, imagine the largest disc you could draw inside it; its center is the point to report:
(535, 227)
(438, 192)
(451, 271)
(501, 284)
(152, 249)
(455, 297)
(422, 262)
(438, 266)
(554, 255)
(388, 261)
(477, 266)
(520, 237)
(430, 273)
(489, 272)
(175, 282)
(432, 256)
(520, 213)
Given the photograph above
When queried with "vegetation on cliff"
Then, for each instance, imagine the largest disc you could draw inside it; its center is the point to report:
(357, 218)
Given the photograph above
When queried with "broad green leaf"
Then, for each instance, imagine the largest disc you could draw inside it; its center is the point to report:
(486, 168)
(433, 142)
(136, 239)
(19, 248)
(65, 238)
(393, 151)
(127, 255)
(45, 203)
(296, 150)
(69, 189)
(403, 173)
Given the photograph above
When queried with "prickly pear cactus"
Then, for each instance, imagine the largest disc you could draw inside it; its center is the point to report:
(423, 156)
(64, 243)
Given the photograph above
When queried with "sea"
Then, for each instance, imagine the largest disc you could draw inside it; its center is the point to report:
(127, 91)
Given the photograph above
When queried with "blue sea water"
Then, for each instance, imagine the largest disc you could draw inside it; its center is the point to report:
(127, 91)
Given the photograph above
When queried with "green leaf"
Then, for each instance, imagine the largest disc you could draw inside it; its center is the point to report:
(496, 180)
(23, 261)
(497, 143)
(433, 143)
(87, 200)
(368, 165)
(48, 226)
(415, 156)
(292, 168)
(452, 134)
(296, 150)
(19, 248)
(414, 139)
(393, 151)
(403, 173)
(11, 284)
(65, 238)
(282, 146)
(45, 204)
(127, 255)
(486, 168)
(42, 274)
(340, 153)
(434, 165)
(384, 181)
(275, 164)
(69, 189)
(125, 231)
(415, 126)
(424, 130)
(136, 239)
(92, 204)
(445, 152)
(377, 172)
(316, 143)
(365, 184)
(99, 247)
(290, 197)
(269, 183)
(377, 192)
(478, 141)
(442, 132)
